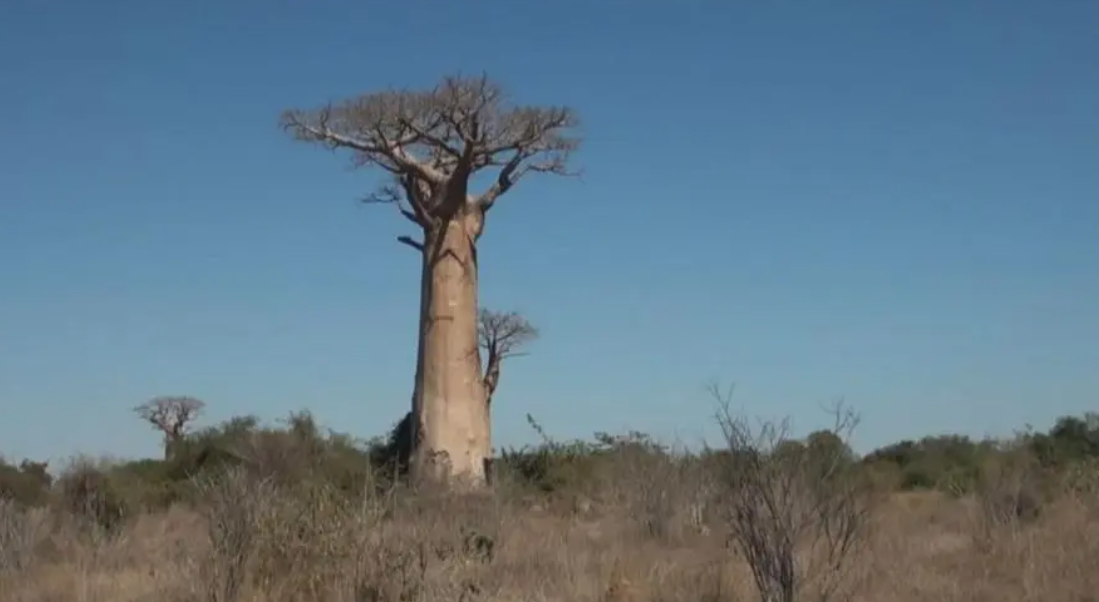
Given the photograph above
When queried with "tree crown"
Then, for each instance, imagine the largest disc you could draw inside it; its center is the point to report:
(432, 141)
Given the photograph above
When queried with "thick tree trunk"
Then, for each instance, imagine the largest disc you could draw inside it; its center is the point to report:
(451, 426)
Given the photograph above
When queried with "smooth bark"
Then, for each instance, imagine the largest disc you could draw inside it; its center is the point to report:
(452, 427)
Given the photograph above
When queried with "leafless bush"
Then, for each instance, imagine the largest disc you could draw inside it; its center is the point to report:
(21, 530)
(661, 490)
(89, 494)
(659, 498)
(311, 535)
(406, 563)
(795, 513)
(1007, 495)
(233, 505)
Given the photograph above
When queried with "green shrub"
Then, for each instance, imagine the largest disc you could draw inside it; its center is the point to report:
(27, 484)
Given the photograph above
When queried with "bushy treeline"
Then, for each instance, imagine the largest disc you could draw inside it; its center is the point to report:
(1069, 450)
(292, 511)
(298, 450)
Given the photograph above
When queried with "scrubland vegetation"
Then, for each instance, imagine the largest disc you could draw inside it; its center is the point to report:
(242, 511)
(248, 512)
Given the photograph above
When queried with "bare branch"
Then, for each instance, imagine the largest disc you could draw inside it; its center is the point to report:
(367, 129)
(434, 140)
(171, 415)
(407, 240)
(501, 335)
(424, 134)
(404, 191)
(537, 142)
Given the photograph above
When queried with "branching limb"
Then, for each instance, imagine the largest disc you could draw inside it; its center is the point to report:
(424, 134)
(433, 141)
(406, 190)
(501, 335)
(407, 240)
(342, 127)
(530, 140)
(514, 170)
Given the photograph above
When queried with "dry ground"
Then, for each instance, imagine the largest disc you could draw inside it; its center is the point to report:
(311, 547)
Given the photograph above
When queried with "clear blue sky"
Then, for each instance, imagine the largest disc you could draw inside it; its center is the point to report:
(894, 202)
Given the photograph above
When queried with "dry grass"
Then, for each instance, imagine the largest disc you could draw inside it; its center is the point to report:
(253, 542)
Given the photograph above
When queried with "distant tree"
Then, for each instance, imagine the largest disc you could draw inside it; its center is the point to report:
(1077, 438)
(172, 415)
(432, 143)
(826, 443)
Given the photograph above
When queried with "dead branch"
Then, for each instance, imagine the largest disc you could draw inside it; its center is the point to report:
(408, 195)
(433, 141)
(171, 415)
(501, 335)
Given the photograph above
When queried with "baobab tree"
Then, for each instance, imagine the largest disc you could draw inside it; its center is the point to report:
(501, 335)
(430, 144)
(172, 416)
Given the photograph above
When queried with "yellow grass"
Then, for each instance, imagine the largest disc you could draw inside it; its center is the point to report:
(921, 547)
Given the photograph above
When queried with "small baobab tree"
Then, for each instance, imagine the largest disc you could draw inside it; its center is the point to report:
(502, 335)
(172, 415)
(431, 143)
